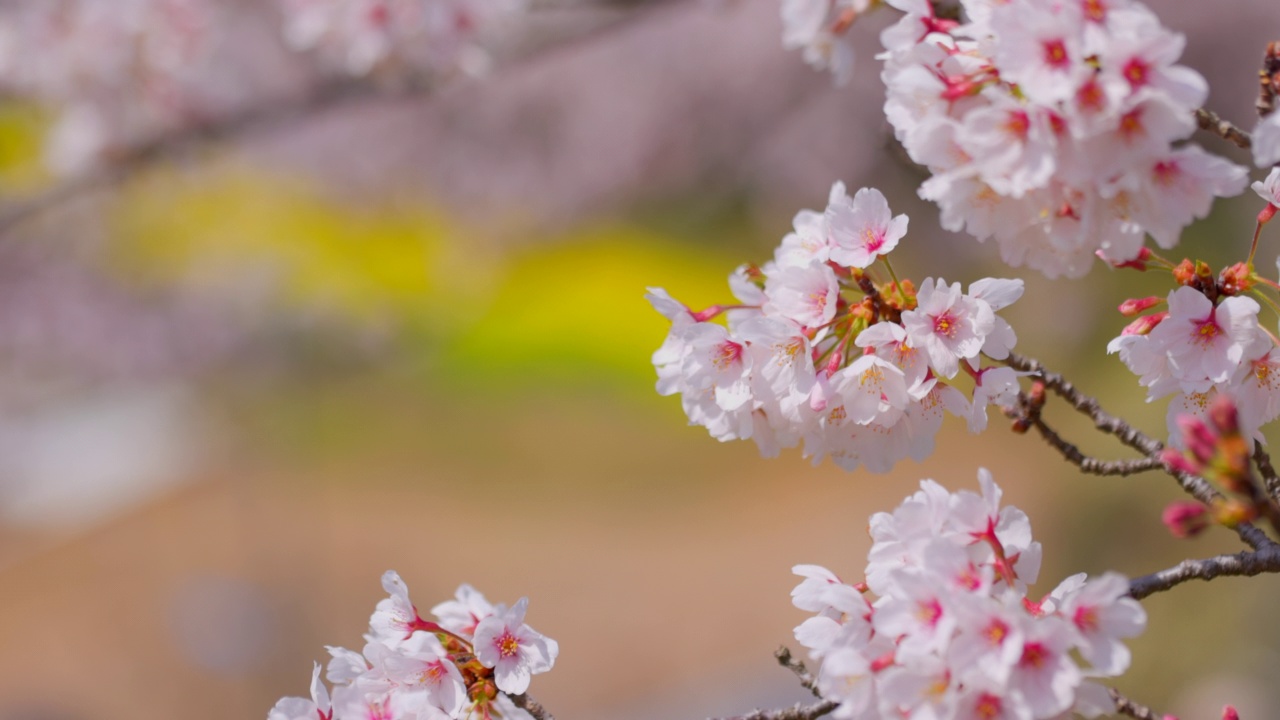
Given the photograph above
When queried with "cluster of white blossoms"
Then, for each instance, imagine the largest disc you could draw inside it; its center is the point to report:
(363, 36)
(817, 27)
(817, 350)
(464, 664)
(119, 73)
(1053, 126)
(1205, 339)
(942, 626)
(116, 71)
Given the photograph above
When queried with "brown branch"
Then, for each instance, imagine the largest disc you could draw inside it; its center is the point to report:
(785, 659)
(1129, 708)
(1242, 564)
(1268, 471)
(795, 712)
(1092, 465)
(526, 703)
(324, 95)
(1209, 120)
(1194, 485)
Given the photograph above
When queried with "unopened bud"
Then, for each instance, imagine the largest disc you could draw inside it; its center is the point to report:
(1197, 437)
(1224, 415)
(1184, 273)
(1144, 324)
(1235, 280)
(1177, 462)
(1232, 512)
(1020, 426)
(1185, 518)
(1134, 306)
(1137, 263)
(1229, 713)
(1036, 393)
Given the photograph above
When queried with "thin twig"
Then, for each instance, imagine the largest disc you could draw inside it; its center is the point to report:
(1194, 485)
(1241, 564)
(1093, 465)
(1129, 708)
(785, 659)
(1209, 120)
(1268, 471)
(795, 712)
(526, 703)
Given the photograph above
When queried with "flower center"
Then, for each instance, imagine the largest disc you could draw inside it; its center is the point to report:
(508, 646)
(946, 324)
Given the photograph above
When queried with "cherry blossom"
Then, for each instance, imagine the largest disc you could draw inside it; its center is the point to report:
(824, 351)
(952, 632)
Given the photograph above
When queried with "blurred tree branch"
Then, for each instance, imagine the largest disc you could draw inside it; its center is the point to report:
(272, 112)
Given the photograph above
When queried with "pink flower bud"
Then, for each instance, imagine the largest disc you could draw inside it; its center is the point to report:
(1199, 439)
(1185, 518)
(1229, 712)
(1178, 462)
(1144, 324)
(1224, 415)
(1133, 306)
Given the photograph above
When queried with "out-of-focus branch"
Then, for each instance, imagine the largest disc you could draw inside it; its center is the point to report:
(1196, 486)
(785, 659)
(531, 706)
(324, 95)
(1209, 120)
(795, 712)
(1129, 708)
(1242, 564)
(799, 711)
(1268, 471)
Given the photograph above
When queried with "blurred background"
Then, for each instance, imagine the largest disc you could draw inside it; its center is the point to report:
(408, 331)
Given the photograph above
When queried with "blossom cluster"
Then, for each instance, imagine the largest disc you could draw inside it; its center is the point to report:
(942, 626)
(1053, 126)
(117, 71)
(466, 663)
(1205, 339)
(816, 27)
(817, 350)
(363, 36)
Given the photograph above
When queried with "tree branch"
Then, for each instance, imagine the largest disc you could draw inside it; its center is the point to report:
(1209, 120)
(785, 659)
(1194, 485)
(1242, 564)
(1093, 465)
(1129, 708)
(526, 703)
(1268, 471)
(323, 95)
(795, 712)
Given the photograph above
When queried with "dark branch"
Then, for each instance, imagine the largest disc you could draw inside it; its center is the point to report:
(1093, 465)
(1242, 564)
(1129, 708)
(1194, 485)
(324, 95)
(795, 712)
(531, 706)
(1268, 471)
(783, 654)
(1209, 120)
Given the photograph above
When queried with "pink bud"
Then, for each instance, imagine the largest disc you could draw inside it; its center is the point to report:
(1185, 518)
(1178, 462)
(1224, 415)
(1133, 306)
(1199, 439)
(1229, 712)
(1139, 262)
(1144, 324)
